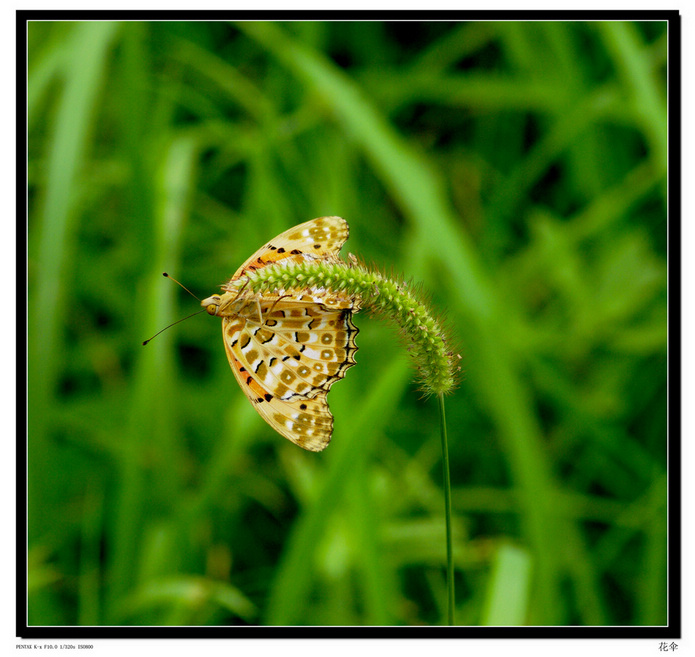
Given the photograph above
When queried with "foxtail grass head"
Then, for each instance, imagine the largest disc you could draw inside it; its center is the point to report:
(426, 337)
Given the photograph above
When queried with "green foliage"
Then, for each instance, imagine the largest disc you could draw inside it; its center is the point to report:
(517, 170)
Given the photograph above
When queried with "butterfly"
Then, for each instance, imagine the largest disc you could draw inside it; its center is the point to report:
(287, 349)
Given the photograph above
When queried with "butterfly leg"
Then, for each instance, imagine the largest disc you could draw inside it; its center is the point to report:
(258, 308)
(276, 301)
(239, 290)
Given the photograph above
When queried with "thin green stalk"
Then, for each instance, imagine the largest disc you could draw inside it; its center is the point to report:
(447, 512)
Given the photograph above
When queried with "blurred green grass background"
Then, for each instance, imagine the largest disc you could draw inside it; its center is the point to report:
(516, 169)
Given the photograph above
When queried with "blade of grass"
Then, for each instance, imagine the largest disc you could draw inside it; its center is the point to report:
(652, 593)
(447, 513)
(85, 71)
(632, 59)
(294, 574)
(91, 575)
(378, 592)
(152, 422)
(508, 593)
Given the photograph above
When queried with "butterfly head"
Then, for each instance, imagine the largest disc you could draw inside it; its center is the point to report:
(212, 304)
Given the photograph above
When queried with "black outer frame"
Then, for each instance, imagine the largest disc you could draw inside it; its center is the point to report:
(673, 630)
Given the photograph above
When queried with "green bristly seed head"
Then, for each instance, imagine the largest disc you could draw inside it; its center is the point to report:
(427, 340)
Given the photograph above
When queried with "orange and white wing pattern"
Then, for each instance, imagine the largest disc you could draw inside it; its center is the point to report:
(286, 352)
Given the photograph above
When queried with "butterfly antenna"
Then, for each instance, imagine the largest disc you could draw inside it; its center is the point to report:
(178, 321)
(180, 284)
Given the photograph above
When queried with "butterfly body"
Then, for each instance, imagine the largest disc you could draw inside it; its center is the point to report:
(287, 349)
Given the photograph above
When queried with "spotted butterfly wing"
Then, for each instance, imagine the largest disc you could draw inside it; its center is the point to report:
(317, 239)
(287, 365)
(287, 351)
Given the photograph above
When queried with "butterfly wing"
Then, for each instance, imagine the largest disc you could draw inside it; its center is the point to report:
(287, 363)
(319, 238)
